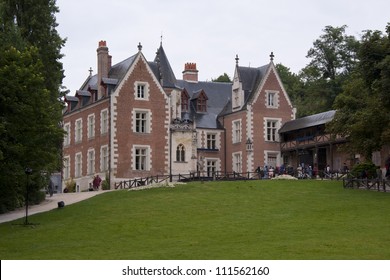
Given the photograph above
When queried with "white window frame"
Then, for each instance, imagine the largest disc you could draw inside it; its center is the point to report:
(271, 132)
(91, 126)
(268, 154)
(237, 162)
(66, 169)
(211, 166)
(104, 158)
(91, 162)
(236, 131)
(78, 135)
(211, 138)
(78, 165)
(67, 137)
(141, 96)
(104, 121)
(272, 99)
(146, 155)
(147, 120)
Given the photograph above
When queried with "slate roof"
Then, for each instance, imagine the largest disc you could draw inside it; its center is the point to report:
(251, 78)
(162, 69)
(309, 121)
(218, 95)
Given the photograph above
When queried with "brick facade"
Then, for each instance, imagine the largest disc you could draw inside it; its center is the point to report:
(135, 119)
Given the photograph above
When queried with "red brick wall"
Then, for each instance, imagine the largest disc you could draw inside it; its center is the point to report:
(83, 146)
(125, 137)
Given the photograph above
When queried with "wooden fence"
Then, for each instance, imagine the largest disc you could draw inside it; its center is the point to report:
(368, 184)
(195, 176)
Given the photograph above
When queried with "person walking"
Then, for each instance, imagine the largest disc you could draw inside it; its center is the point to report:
(96, 182)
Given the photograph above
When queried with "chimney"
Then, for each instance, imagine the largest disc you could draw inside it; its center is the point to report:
(190, 73)
(104, 65)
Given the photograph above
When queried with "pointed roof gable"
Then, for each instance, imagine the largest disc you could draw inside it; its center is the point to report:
(162, 69)
(250, 78)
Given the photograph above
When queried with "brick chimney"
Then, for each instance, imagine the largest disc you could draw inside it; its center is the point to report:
(190, 73)
(104, 65)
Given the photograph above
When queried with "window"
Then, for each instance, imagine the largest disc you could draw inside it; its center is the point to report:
(272, 130)
(79, 130)
(237, 165)
(78, 165)
(237, 131)
(104, 158)
(140, 159)
(104, 121)
(211, 141)
(202, 103)
(211, 167)
(140, 122)
(66, 171)
(141, 91)
(180, 153)
(272, 159)
(91, 161)
(236, 99)
(272, 99)
(91, 126)
(67, 134)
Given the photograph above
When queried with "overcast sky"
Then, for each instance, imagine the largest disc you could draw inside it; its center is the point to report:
(207, 32)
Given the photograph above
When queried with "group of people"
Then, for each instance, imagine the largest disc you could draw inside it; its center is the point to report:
(303, 171)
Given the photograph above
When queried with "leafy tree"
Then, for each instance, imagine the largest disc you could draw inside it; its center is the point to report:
(333, 58)
(334, 53)
(30, 105)
(223, 79)
(363, 107)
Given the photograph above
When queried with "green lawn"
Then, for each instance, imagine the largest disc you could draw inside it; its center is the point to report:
(215, 220)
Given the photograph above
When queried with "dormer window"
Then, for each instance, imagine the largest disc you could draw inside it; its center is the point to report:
(184, 101)
(201, 101)
(202, 104)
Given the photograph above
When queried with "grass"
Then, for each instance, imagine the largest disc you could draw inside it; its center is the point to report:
(215, 220)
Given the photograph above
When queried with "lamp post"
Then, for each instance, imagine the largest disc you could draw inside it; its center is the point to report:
(28, 172)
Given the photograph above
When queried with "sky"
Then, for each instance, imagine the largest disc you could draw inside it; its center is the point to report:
(209, 33)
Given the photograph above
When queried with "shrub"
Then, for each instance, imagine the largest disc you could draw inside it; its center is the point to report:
(106, 183)
(364, 170)
(70, 186)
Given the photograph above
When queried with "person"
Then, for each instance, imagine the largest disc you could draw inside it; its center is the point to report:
(258, 172)
(379, 173)
(96, 182)
(345, 169)
(387, 166)
(51, 190)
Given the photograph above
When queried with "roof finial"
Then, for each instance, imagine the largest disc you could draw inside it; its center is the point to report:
(161, 38)
(90, 71)
(237, 59)
(139, 46)
(272, 56)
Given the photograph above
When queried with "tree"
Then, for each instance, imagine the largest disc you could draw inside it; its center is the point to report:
(334, 53)
(333, 59)
(223, 79)
(30, 108)
(363, 107)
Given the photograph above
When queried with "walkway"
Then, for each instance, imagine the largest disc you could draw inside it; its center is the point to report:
(47, 205)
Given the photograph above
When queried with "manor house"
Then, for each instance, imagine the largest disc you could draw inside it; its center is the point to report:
(137, 119)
